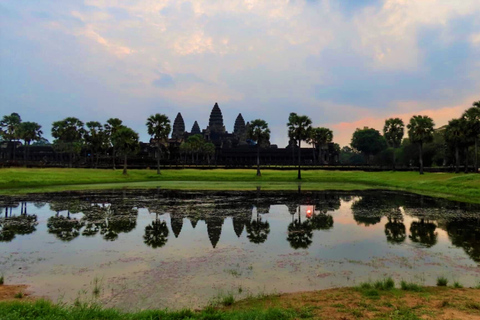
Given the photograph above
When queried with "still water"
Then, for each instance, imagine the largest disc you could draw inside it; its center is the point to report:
(160, 248)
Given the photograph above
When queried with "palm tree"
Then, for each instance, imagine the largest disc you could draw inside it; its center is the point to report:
(28, 132)
(125, 141)
(9, 127)
(299, 128)
(320, 137)
(158, 126)
(112, 125)
(393, 132)
(420, 131)
(455, 136)
(472, 116)
(259, 132)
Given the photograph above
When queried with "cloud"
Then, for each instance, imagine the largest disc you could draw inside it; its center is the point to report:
(164, 81)
(335, 61)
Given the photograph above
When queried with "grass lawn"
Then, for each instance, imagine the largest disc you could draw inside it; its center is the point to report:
(368, 301)
(462, 187)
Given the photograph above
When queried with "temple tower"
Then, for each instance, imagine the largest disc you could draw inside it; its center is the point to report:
(178, 127)
(215, 123)
(240, 129)
(195, 128)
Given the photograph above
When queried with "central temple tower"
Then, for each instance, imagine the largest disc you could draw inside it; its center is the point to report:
(215, 123)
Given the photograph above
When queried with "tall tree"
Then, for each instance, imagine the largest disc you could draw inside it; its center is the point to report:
(472, 116)
(393, 131)
(158, 126)
(185, 149)
(28, 132)
(259, 132)
(95, 139)
(208, 150)
(68, 134)
(196, 144)
(125, 141)
(111, 127)
(299, 128)
(9, 129)
(368, 141)
(420, 131)
(455, 136)
(320, 137)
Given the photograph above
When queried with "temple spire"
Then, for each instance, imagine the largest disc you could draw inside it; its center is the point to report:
(178, 127)
(195, 128)
(215, 123)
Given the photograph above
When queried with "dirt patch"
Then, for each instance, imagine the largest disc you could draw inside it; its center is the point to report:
(351, 303)
(13, 292)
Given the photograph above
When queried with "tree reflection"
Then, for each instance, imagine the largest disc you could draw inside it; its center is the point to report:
(109, 220)
(366, 210)
(258, 230)
(325, 202)
(64, 228)
(156, 234)
(465, 234)
(299, 233)
(424, 233)
(22, 224)
(321, 221)
(395, 229)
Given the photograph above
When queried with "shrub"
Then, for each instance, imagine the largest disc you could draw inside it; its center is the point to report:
(410, 286)
(442, 282)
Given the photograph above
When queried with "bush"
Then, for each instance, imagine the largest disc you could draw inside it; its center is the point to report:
(385, 284)
(442, 282)
(410, 286)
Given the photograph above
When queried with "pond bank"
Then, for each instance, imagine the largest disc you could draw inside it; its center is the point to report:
(343, 303)
(460, 187)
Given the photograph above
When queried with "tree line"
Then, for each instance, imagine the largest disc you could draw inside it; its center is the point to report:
(443, 146)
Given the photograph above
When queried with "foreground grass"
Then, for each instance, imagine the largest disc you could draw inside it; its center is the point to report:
(462, 187)
(46, 310)
(346, 303)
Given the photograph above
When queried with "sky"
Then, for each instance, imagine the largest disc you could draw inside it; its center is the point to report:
(346, 64)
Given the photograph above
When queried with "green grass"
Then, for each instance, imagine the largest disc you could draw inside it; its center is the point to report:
(457, 284)
(228, 300)
(19, 295)
(462, 187)
(385, 284)
(442, 282)
(410, 286)
(372, 290)
(46, 310)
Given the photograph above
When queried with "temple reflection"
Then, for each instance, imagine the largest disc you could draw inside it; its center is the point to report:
(109, 214)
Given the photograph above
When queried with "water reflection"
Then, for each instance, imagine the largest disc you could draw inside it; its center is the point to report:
(465, 233)
(12, 225)
(109, 214)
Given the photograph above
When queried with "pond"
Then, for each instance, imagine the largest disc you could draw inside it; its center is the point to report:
(136, 249)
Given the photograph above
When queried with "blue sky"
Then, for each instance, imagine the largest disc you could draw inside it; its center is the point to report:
(346, 64)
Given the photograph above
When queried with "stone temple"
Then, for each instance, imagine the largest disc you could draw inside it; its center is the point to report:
(234, 149)
(215, 132)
